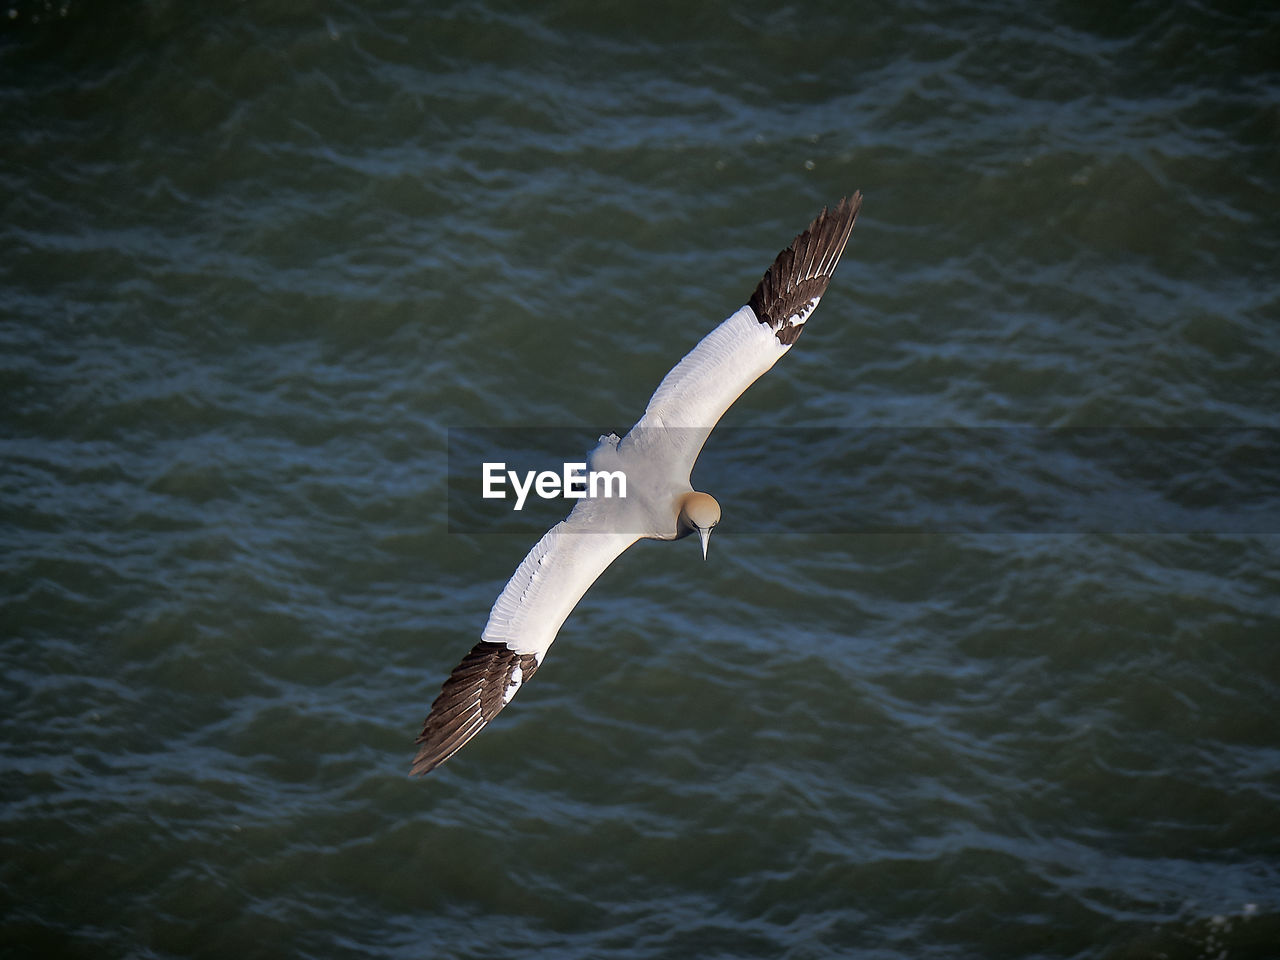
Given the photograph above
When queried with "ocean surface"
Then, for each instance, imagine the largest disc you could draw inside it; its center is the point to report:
(985, 658)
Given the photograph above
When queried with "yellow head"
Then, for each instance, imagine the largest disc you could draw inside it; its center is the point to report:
(700, 512)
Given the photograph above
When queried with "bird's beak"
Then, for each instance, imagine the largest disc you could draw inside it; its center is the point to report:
(704, 534)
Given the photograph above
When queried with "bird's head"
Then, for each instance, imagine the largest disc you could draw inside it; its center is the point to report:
(700, 512)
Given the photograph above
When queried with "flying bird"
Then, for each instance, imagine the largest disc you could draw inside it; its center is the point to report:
(657, 457)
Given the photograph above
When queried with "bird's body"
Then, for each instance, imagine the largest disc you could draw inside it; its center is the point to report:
(657, 456)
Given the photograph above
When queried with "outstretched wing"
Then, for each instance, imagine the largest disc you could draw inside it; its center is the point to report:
(694, 396)
(522, 624)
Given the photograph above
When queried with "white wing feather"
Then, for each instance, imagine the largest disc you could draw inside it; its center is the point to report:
(699, 389)
(549, 583)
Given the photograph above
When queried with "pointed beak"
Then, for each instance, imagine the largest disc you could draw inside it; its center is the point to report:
(704, 534)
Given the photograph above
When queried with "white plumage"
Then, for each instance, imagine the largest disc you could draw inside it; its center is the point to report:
(657, 456)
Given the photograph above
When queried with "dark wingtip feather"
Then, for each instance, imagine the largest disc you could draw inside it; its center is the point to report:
(477, 690)
(800, 273)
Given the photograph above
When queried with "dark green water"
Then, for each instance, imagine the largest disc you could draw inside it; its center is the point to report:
(258, 260)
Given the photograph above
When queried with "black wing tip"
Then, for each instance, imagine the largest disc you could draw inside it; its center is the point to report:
(799, 275)
(476, 691)
(422, 764)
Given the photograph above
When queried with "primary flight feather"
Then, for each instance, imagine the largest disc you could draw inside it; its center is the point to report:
(657, 455)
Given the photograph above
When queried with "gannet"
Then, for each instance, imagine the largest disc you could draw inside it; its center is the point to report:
(657, 455)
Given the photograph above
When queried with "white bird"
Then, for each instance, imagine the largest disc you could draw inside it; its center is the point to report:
(657, 456)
